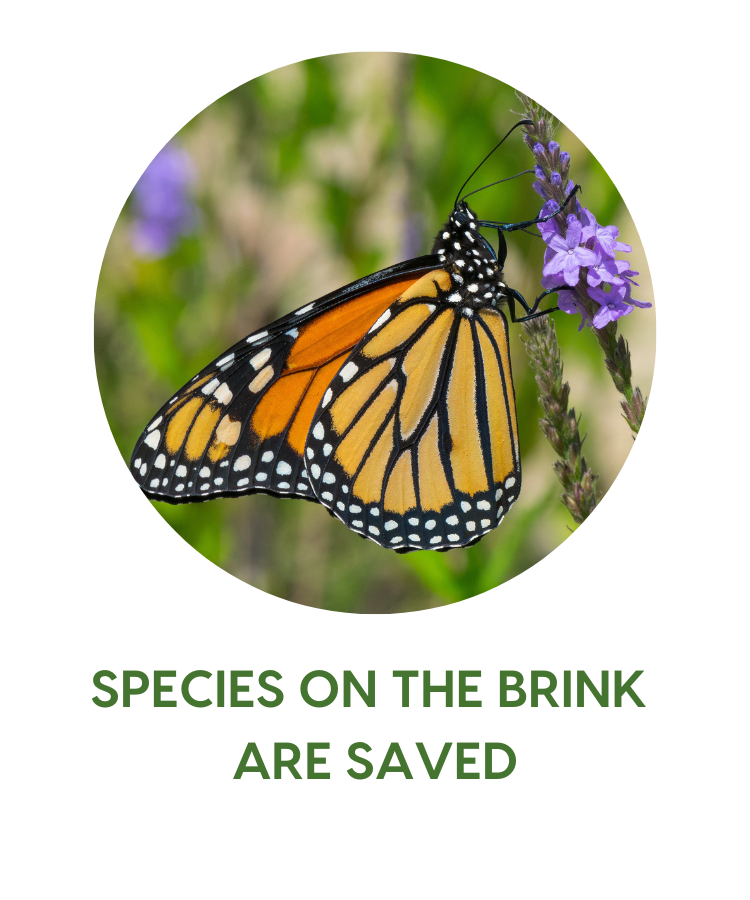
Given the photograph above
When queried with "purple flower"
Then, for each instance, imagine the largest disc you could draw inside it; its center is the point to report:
(549, 227)
(539, 188)
(629, 277)
(565, 157)
(568, 303)
(614, 304)
(552, 146)
(605, 269)
(569, 256)
(538, 148)
(607, 237)
(556, 178)
(164, 210)
(589, 223)
(539, 172)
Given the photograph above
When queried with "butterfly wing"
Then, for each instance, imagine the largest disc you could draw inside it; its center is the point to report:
(415, 444)
(241, 424)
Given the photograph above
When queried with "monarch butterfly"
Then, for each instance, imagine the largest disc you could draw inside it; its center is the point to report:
(389, 401)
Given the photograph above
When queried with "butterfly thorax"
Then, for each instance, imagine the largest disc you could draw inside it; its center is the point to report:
(476, 277)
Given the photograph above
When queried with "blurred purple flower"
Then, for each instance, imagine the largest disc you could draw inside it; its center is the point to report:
(569, 255)
(164, 210)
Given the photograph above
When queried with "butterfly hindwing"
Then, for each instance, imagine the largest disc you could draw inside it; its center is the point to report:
(415, 443)
(241, 424)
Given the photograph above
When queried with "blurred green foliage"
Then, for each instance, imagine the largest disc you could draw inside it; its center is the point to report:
(308, 178)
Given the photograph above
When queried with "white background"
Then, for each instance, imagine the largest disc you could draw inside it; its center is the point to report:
(603, 803)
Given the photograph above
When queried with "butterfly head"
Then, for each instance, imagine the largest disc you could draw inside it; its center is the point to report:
(468, 257)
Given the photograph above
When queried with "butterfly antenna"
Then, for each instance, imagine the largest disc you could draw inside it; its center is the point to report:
(517, 125)
(518, 175)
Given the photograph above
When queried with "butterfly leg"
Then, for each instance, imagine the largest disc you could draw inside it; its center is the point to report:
(532, 312)
(519, 226)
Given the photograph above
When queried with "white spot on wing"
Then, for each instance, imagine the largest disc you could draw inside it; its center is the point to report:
(384, 318)
(261, 379)
(181, 471)
(161, 461)
(223, 394)
(315, 469)
(260, 476)
(154, 424)
(260, 359)
(329, 478)
(242, 463)
(483, 504)
(256, 337)
(284, 468)
(327, 397)
(225, 359)
(267, 456)
(204, 472)
(305, 309)
(242, 482)
(210, 387)
(319, 431)
(153, 439)
(349, 371)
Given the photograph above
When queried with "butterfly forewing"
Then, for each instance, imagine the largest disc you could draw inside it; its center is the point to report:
(415, 445)
(241, 424)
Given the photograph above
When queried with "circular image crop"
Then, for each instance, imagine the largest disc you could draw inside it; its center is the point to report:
(372, 283)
